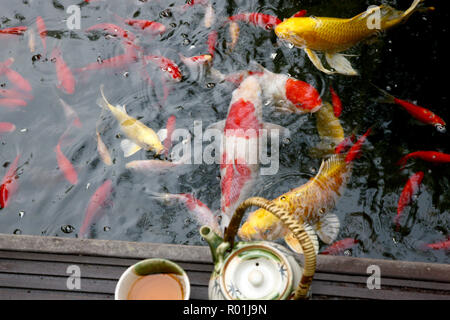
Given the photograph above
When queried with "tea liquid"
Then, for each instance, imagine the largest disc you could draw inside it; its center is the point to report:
(157, 287)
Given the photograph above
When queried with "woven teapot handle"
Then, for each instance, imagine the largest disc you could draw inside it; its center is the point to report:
(298, 231)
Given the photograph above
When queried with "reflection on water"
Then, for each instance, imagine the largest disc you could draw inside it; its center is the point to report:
(404, 61)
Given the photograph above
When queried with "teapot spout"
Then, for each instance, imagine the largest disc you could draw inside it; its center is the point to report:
(213, 239)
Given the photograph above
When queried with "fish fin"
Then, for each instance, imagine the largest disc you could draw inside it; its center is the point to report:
(103, 102)
(340, 63)
(285, 133)
(129, 147)
(328, 228)
(316, 61)
(216, 75)
(330, 165)
(411, 9)
(294, 244)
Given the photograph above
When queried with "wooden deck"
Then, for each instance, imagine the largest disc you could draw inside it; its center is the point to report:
(33, 267)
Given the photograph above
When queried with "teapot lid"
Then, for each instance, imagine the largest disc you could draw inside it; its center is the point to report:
(256, 272)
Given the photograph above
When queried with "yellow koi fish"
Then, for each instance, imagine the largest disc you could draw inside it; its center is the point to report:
(330, 131)
(308, 203)
(141, 136)
(333, 35)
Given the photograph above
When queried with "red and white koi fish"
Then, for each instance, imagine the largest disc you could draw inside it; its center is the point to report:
(7, 127)
(9, 183)
(166, 65)
(443, 245)
(299, 14)
(170, 127)
(66, 80)
(42, 30)
(430, 156)
(70, 114)
(14, 30)
(422, 114)
(96, 203)
(289, 94)
(265, 21)
(147, 26)
(233, 30)
(113, 30)
(12, 103)
(241, 133)
(340, 246)
(211, 42)
(410, 189)
(65, 165)
(197, 64)
(337, 103)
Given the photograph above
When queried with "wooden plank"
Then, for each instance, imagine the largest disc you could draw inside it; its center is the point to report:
(33, 294)
(107, 248)
(96, 260)
(392, 269)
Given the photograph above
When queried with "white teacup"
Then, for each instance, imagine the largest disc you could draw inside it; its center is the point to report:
(148, 267)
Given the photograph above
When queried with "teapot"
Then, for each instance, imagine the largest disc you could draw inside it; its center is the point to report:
(259, 270)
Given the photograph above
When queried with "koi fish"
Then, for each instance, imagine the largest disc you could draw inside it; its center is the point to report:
(422, 114)
(309, 204)
(14, 94)
(66, 80)
(340, 246)
(210, 16)
(149, 27)
(411, 188)
(12, 103)
(141, 136)
(288, 94)
(265, 21)
(170, 127)
(113, 30)
(93, 210)
(299, 14)
(65, 165)
(197, 64)
(117, 62)
(103, 151)
(198, 210)
(9, 183)
(241, 134)
(166, 65)
(443, 245)
(211, 42)
(42, 30)
(233, 30)
(14, 30)
(330, 131)
(70, 114)
(337, 103)
(16, 78)
(7, 127)
(334, 35)
(430, 156)
(347, 142)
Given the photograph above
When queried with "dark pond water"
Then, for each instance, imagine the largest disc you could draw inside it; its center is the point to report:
(407, 61)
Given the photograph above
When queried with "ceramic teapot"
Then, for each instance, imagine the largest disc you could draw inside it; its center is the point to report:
(259, 270)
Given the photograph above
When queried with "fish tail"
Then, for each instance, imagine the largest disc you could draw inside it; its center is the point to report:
(386, 96)
(413, 8)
